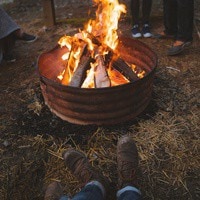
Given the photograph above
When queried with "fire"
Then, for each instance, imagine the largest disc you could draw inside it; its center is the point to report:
(99, 39)
(106, 23)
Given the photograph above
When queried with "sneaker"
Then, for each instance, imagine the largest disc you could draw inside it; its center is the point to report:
(178, 47)
(135, 31)
(27, 37)
(54, 191)
(127, 161)
(9, 58)
(80, 167)
(146, 31)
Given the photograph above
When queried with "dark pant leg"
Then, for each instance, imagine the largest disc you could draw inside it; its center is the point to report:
(89, 192)
(146, 11)
(8, 44)
(1, 51)
(135, 10)
(185, 19)
(130, 195)
(170, 16)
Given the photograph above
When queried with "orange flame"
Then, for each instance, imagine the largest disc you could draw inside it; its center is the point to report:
(100, 36)
(106, 23)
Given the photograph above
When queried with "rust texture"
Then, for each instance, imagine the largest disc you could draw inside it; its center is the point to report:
(98, 106)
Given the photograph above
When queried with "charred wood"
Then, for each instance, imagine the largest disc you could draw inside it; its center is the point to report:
(125, 69)
(80, 72)
(72, 60)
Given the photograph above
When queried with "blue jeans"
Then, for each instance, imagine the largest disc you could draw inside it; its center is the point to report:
(94, 192)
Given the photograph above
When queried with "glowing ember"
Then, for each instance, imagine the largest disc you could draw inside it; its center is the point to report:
(96, 46)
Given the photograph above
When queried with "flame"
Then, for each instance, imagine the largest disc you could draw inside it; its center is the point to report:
(89, 81)
(66, 41)
(106, 23)
(140, 74)
(100, 36)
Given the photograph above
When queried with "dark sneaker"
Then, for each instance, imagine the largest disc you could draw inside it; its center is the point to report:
(127, 161)
(54, 191)
(27, 37)
(9, 58)
(146, 31)
(135, 31)
(178, 47)
(80, 167)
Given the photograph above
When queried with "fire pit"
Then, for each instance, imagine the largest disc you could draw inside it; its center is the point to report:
(122, 81)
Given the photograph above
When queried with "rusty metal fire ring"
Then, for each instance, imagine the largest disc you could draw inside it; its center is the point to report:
(98, 106)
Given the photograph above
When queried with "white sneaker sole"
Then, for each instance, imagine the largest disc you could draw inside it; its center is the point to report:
(146, 35)
(138, 35)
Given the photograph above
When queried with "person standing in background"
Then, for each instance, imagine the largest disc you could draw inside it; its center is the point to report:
(178, 24)
(9, 33)
(135, 11)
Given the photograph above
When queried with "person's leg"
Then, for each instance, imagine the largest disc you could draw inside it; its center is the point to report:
(8, 44)
(184, 37)
(92, 191)
(135, 10)
(185, 20)
(127, 162)
(1, 51)
(146, 11)
(170, 16)
(129, 193)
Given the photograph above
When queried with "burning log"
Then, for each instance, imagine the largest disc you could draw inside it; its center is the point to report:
(80, 73)
(125, 69)
(76, 52)
(101, 78)
(135, 57)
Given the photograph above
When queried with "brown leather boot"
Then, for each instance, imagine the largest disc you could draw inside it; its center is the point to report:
(127, 161)
(80, 167)
(54, 191)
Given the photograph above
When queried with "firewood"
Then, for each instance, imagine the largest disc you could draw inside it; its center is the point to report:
(80, 72)
(101, 78)
(69, 70)
(125, 69)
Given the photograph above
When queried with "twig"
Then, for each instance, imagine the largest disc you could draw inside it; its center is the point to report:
(173, 68)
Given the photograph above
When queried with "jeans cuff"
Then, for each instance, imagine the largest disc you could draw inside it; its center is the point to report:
(64, 197)
(128, 188)
(99, 185)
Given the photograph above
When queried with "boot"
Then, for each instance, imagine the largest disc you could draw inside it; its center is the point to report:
(127, 161)
(54, 191)
(80, 167)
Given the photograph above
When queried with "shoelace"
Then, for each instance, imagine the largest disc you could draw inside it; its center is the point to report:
(127, 171)
(83, 171)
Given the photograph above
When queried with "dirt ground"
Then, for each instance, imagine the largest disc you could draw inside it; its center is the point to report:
(32, 138)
